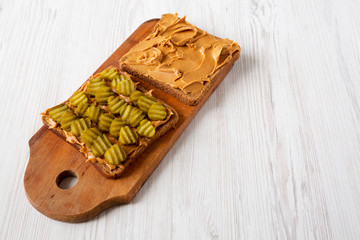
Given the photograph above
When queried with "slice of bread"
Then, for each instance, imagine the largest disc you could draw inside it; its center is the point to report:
(108, 170)
(165, 61)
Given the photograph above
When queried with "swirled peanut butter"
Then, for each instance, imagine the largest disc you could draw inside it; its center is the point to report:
(180, 54)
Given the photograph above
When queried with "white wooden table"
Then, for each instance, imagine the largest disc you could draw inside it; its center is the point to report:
(273, 154)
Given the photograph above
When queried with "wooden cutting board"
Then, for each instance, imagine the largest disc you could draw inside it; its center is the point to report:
(52, 158)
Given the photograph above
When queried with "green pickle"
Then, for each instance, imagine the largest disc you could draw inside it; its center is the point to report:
(94, 85)
(88, 136)
(78, 126)
(109, 73)
(146, 129)
(100, 145)
(116, 105)
(93, 113)
(126, 87)
(134, 96)
(115, 127)
(77, 98)
(57, 112)
(115, 154)
(145, 103)
(157, 111)
(136, 116)
(115, 81)
(127, 113)
(105, 121)
(68, 118)
(102, 94)
(81, 109)
(127, 136)
(124, 78)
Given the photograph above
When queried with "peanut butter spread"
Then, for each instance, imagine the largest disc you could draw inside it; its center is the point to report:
(180, 54)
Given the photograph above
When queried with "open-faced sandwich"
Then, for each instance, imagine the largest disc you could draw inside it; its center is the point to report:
(111, 120)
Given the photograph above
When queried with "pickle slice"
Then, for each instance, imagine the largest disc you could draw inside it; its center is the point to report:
(115, 104)
(78, 126)
(157, 111)
(105, 121)
(68, 118)
(100, 145)
(146, 129)
(94, 85)
(136, 116)
(102, 94)
(81, 109)
(77, 98)
(115, 154)
(126, 87)
(88, 136)
(115, 81)
(145, 103)
(127, 136)
(124, 78)
(115, 126)
(93, 113)
(127, 113)
(57, 112)
(109, 73)
(134, 96)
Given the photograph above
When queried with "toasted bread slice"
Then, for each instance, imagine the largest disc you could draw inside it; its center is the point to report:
(107, 169)
(180, 59)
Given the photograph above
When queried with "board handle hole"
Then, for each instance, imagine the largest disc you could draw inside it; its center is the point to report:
(67, 179)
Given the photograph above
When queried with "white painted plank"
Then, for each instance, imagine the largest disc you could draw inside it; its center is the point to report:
(273, 154)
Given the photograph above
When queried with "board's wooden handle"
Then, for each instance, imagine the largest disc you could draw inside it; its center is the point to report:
(50, 161)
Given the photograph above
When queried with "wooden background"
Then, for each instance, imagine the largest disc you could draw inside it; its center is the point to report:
(273, 154)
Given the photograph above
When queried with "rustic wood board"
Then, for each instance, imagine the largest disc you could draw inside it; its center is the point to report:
(50, 156)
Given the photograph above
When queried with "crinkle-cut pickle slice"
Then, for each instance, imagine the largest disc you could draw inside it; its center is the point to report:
(115, 154)
(105, 121)
(77, 98)
(126, 87)
(57, 112)
(102, 94)
(78, 126)
(134, 96)
(115, 81)
(127, 136)
(100, 145)
(88, 136)
(127, 113)
(136, 116)
(146, 129)
(93, 113)
(109, 73)
(145, 103)
(81, 109)
(116, 104)
(157, 111)
(94, 85)
(124, 78)
(115, 127)
(68, 118)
